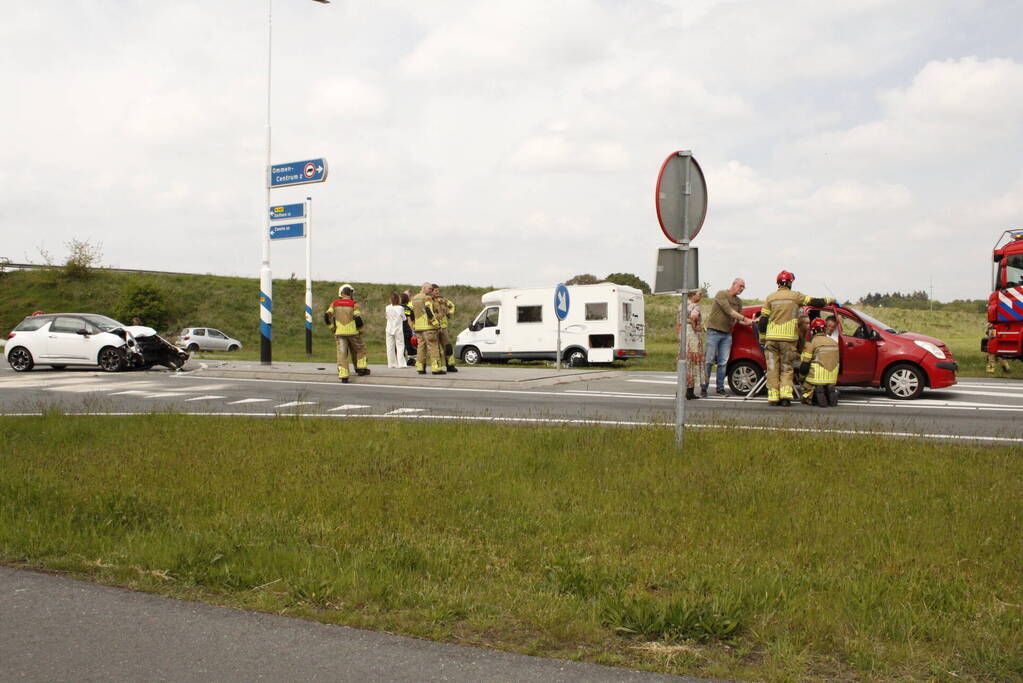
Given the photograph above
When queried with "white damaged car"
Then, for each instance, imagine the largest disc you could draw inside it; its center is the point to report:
(63, 339)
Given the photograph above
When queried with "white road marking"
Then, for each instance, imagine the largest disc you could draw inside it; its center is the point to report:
(210, 397)
(248, 400)
(347, 406)
(651, 381)
(292, 404)
(130, 393)
(995, 394)
(164, 394)
(405, 411)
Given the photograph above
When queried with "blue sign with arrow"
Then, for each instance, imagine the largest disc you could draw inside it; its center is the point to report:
(561, 302)
(282, 211)
(287, 231)
(298, 173)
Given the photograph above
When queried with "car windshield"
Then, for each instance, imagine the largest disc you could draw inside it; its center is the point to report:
(102, 322)
(874, 321)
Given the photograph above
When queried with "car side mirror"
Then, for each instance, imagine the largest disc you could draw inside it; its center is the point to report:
(476, 327)
(84, 332)
(875, 335)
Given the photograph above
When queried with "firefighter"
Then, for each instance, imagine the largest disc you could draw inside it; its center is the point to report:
(345, 316)
(779, 327)
(444, 309)
(425, 324)
(819, 367)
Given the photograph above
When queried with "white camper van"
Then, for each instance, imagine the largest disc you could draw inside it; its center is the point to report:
(605, 322)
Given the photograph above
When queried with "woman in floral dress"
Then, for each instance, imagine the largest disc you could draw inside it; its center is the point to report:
(696, 368)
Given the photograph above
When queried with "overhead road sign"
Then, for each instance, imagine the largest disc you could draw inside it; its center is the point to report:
(282, 211)
(681, 197)
(298, 173)
(561, 302)
(287, 231)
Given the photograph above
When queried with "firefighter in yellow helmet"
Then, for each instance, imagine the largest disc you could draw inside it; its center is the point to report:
(426, 325)
(444, 309)
(819, 367)
(345, 316)
(779, 327)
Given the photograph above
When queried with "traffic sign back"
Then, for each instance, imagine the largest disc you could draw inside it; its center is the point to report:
(681, 197)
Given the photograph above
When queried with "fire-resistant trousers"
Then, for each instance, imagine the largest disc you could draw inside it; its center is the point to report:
(347, 347)
(428, 346)
(447, 352)
(780, 356)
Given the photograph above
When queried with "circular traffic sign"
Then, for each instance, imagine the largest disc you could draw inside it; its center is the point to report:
(309, 170)
(681, 197)
(561, 301)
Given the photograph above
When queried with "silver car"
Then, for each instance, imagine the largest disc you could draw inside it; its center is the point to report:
(206, 339)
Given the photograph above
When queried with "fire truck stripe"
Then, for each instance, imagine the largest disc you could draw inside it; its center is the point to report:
(1007, 313)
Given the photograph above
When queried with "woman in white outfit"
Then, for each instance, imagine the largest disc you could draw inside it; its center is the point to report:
(395, 336)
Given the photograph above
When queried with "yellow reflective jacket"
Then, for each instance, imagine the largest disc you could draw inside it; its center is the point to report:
(345, 312)
(423, 317)
(444, 308)
(781, 309)
(821, 353)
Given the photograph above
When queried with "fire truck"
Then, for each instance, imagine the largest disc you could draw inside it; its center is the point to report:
(1005, 305)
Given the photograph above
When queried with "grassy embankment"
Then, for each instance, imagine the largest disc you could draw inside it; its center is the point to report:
(795, 559)
(230, 304)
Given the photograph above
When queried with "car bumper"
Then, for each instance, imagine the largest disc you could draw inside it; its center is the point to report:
(943, 374)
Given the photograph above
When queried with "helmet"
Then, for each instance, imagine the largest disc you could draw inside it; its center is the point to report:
(785, 277)
(345, 290)
(818, 325)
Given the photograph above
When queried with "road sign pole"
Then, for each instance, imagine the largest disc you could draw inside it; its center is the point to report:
(308, 276)
(557, 365)
(683, 361)
(265, 275)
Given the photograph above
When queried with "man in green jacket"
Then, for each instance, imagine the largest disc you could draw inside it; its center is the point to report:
(725, 312)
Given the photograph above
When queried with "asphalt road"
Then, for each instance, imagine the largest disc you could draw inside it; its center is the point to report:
(986, 409)
(57, 629)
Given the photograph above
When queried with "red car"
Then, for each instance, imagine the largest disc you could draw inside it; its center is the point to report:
(872, 354)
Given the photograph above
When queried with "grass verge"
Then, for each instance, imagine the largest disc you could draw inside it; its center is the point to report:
(773, 560)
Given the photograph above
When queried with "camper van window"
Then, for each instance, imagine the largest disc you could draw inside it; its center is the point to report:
(596, 311)
(491, 317)
(627, 312)
(530, 314)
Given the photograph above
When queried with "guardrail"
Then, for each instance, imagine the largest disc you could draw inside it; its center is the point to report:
(45, 266)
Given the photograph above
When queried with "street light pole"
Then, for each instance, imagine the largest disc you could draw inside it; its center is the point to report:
(265, 275)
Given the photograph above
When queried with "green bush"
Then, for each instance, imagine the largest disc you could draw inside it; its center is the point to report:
(147, 302)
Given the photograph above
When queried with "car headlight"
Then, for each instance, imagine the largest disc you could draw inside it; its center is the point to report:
(930, 348)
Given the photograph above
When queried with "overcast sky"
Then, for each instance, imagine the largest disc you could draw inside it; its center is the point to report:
(865, 146)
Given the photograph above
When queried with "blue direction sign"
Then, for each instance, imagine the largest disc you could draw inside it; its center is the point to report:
(561, 302)
(298, 173)
(282, 211)
(286, 231)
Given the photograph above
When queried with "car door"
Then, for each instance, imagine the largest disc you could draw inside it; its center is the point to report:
(64, 343)
(217, 339)
(489, 335)
(199, 338)
(857, 352)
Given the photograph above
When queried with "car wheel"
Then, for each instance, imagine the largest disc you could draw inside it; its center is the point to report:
(111, 359)
(743, 376)
(232, 347)
(192, 348)
(471, 356)
(20, 359)
(904, 381)
(576, 358)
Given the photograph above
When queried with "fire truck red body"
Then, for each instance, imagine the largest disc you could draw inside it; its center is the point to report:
(1005, 305)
